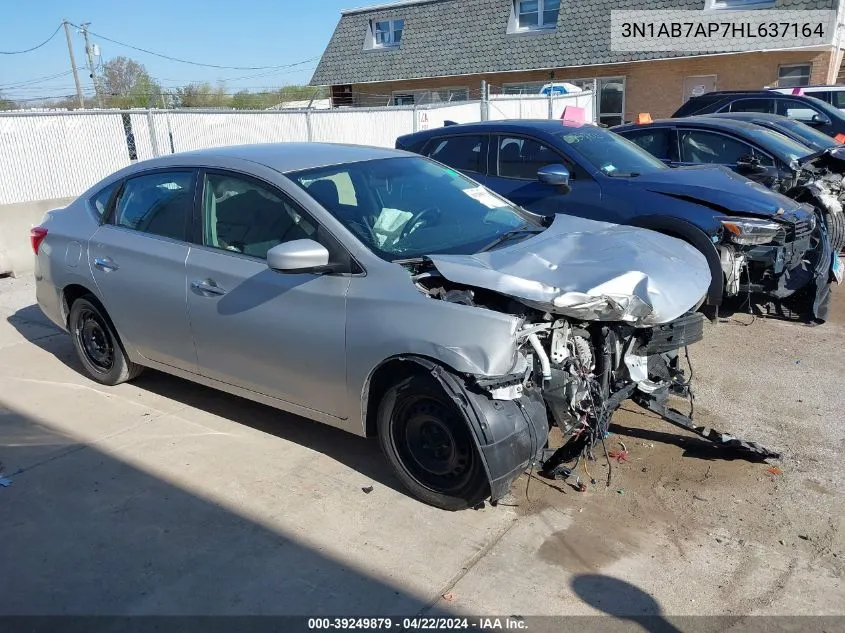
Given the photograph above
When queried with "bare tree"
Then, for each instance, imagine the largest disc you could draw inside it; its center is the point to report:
(124, 83)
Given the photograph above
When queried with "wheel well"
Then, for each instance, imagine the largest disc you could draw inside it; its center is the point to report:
(70, 294)
(383, 378)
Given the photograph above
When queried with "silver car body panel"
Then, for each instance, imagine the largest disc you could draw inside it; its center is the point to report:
(323, 351)
(590, 270)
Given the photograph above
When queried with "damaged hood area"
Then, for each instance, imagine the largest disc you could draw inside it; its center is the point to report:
(592, 271)
(833, 158)
(718, 188)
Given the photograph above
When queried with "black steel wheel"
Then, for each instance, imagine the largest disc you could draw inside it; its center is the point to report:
(430, 446)
(97, 344)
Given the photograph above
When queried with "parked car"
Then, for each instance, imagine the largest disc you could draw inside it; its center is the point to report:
(375, 291)
(755, 240)
(814, 112)
(756, 152)
(790, 128)
(834, 95)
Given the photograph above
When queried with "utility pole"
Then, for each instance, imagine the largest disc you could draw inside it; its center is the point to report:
(90, 53)
(73, 64)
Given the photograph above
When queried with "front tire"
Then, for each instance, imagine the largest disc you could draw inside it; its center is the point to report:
(97, 345)
(429, 444)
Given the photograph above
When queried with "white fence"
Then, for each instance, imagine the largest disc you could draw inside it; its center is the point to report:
(46, 155)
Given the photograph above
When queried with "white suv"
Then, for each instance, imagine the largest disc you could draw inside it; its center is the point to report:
(834, 95)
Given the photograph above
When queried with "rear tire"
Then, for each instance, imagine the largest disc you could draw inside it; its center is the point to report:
(836, 230)
(429, 444)
(97, 344)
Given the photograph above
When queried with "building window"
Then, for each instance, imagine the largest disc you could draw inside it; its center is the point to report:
(387, 33)
(530, 15)
(403, 99)
(794, 75)
(716, 5)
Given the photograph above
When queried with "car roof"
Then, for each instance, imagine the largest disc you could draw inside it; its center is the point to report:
(283, 157)
(548, 126)
(702, 121)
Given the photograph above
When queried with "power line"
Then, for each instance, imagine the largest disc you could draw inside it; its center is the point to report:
(187, 61)
(35, 80)
(58, 28)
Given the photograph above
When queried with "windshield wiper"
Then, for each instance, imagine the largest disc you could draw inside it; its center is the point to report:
(509, 234)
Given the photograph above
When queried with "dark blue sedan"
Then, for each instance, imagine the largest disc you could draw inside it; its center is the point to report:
(754, 239)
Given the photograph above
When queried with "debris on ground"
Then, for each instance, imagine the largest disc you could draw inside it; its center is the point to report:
(449, 596)
(367, 489)
(619, 456)
(774, 470)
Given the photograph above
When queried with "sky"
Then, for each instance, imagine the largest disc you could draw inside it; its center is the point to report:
(241, 33)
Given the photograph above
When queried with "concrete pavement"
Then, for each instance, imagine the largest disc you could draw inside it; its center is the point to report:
(164, 497)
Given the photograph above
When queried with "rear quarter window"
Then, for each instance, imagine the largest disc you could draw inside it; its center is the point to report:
(100, 200)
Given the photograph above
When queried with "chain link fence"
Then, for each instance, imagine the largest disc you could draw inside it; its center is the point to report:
(50, 155)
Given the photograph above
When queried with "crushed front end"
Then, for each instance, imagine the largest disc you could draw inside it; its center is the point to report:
(787, 258)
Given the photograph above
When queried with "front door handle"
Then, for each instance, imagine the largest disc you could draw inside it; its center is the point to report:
(208, 287)
(105, 264)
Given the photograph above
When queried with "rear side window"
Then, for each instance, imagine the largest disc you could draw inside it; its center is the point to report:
(100, 200)
(158, 204)
(752, 105)
(700, 147)
(461, 152)
(837, 99)
(653, 140)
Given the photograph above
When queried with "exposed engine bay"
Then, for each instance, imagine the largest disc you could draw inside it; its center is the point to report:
(584, 369)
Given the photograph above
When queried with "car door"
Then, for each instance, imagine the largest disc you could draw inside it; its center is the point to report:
(515, 161)
(278, 334)
(137, 259)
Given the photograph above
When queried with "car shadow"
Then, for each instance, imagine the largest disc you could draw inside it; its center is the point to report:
(360, 454)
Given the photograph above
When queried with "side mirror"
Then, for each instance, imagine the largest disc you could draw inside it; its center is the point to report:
(555, 175)
(299, 256)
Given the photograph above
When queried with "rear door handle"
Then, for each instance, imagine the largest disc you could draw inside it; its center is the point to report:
(207, 287)
(105, 264)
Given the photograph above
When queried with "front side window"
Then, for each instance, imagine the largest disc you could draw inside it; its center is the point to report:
(388, 32)
(798, 110)
(522, 158)
(610, 153)
(766, 106)
(410, 207)
(653, 140)
(461, 152)
(537, 14)
(245, 216)
(699, 147)
(158, 203)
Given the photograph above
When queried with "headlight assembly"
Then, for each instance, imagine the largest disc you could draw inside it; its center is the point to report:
(750, 231)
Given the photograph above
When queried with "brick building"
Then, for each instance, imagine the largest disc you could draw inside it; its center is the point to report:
(419, 51)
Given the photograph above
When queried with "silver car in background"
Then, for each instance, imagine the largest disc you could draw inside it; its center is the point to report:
(376, 291)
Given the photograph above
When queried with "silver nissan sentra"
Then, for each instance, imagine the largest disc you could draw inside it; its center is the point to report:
(376, 291)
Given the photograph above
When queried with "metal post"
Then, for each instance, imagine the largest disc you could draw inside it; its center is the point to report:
(308, 123)
(485, 106)
(90, 54)
(414, 113)
(551, 102)
(153, 136)
(73, 64)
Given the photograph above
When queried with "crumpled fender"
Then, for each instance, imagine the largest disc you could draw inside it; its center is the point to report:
(509, 434)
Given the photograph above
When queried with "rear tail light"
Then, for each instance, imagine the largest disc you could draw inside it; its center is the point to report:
(36, 236)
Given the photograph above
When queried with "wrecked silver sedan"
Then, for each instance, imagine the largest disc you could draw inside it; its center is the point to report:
(378, 292)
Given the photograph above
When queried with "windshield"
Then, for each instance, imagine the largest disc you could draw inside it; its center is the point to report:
(809, 136)
(609, 152)
(404, 208)
(782, 146)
